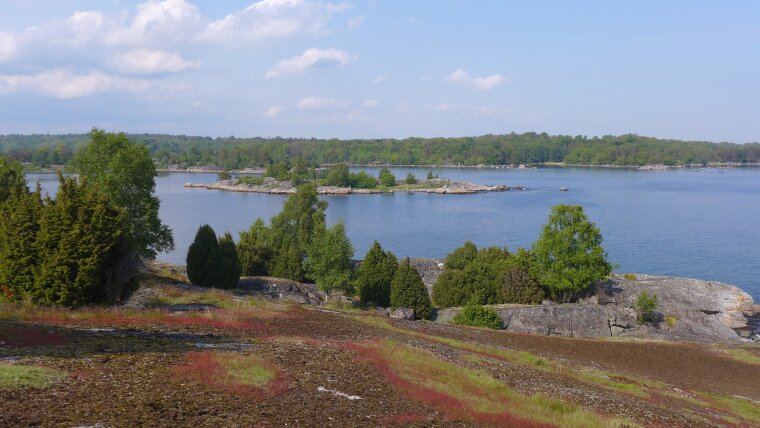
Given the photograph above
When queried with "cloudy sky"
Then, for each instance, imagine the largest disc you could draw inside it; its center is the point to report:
(677, 69)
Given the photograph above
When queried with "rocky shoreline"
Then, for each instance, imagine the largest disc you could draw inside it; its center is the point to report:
(437, 186)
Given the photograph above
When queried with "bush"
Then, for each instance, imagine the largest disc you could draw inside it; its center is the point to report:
(630, 277)
(469, 273)
(430, 175)
(362, 180)
(387, 179)
(278, 171)
(410, 179)
(337, 175)
(227, 272)
(223, 175)
(450, 290)
(255, 249)
(461, 257)
(328, 258)
(200, 256)
(478, 316)
(408, 291)
(520, 287)
(374, 276)
(646, 306)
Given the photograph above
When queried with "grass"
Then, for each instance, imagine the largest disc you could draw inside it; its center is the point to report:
(466, 393)
(232, 372)
(742, 355)
(16, 376)
(630, 277)
(177, 296)
(671, 321)
(744, 408)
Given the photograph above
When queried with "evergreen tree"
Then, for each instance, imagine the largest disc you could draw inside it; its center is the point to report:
(408, 291)
(227, 273)
(461, 257)
(202, 257)
(375, 274)
(255, 249)
(80, 239)
(410, 179)
(19, 224)
(569, 253)
(328, 258)
(125, 173)
(12, 180)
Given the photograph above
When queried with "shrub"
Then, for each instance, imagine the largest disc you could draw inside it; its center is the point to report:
(451, 288)
(410, 179)
(478, 316)
(646, 306)
(362, 180)
(461, 257)
(223, 175)
(374, 276)
(278, 171)
(569, 254)
(255, 249)
(469, 273)
(430, 175)
(671, 321)
(630, 277)
(387, 179)
(227, 272)
(337, 175)
(408, 291)
(328, 258)
(520, 287)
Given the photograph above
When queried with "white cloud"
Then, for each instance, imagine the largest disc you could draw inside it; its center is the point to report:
(318, 103)
(370, 103)
(310, 58)
(160, 22)
(380, 79)
(272, 112)
(144, 61)
(481, 83)
(7, 45)
(62, 84)
(356, 21)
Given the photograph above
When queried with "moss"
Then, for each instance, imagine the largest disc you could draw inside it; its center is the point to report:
(15, 376)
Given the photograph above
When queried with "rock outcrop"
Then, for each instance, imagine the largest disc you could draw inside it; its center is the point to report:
(439, 186)
(688, 309)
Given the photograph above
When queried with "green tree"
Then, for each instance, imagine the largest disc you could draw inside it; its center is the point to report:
(408, 291)
(430, 175)
(328, 258)
(19, 224)
(646, 307)
(255, 249)
(80, 240)
(12, 180)
(338, 175)
(228, 269)
(375, 274)
(362, 180)
(387, 178)
(202, 257)
(451, 289)
(293, 230)
(569, 254)
(125, 173)
(278, 171)
(461, 257)
(410, 179)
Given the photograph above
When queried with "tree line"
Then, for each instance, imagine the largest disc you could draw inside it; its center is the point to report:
(508, 149)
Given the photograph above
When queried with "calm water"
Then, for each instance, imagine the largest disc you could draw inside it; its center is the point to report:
(695, 223)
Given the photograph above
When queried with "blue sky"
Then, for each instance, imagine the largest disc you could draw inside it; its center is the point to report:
(675, 69)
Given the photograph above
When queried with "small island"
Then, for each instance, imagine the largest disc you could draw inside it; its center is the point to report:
(337, 180)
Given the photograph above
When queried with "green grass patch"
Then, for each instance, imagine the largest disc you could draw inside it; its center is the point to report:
(466, 393)
(742, 355)
(744, 408)
(15, 376)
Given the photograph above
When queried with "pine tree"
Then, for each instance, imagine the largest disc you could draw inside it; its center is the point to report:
(227, 274)
(408, 291)
(80, 240)
(202, 257)
(375, 274)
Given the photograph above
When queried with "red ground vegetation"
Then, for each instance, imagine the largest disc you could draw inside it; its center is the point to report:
(31, 336)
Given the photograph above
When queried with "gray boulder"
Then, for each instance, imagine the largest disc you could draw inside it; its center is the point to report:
(403, 314)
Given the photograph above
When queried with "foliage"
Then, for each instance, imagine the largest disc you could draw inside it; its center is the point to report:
(569, 254)
(646, 307)
(471, 273)
(519, 284)
(410, 179)
(328, 258)
(278, 171)
(201, 257)
(19, 224)
(337, 175)
(478, 316)
(408, 291)
(12, 181)
(227, 272)
(255, 249)
(387, 179)
(362, 180)
(125, 173)
(430, 175)
(671, 321)
(630, 277)
(374, 276)
(79, 242)
(223, 175)
(513, 148)
(16, 376)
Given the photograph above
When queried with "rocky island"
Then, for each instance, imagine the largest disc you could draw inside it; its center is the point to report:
(436, 185)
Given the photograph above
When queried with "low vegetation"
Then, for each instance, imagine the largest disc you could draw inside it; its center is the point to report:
(231, 371)
(478, 316)
(646, 307)
(18, 376)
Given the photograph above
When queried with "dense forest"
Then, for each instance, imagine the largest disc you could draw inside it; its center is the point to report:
(236, 153)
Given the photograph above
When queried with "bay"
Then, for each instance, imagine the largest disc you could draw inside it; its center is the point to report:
(700, 223)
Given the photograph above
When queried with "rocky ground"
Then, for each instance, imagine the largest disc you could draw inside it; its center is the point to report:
(193, 357)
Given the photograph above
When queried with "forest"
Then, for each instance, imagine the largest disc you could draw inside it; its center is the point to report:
(232, 153)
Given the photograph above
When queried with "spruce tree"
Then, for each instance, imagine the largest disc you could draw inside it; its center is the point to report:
(202, 257)
(19, 224)
(12, 180)
(408, 291)
(375, 274)
(227, 274)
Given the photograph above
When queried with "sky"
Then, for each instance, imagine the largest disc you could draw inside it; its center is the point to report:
(381, 68)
